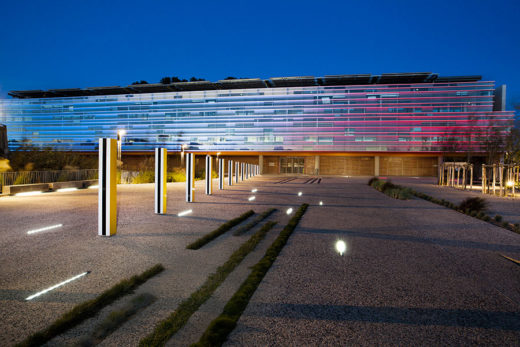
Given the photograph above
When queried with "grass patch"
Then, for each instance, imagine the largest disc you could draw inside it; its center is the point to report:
(254, 222)
(169, 326)
(90, 308)
(219, 231)
(219, 329)
(116, 318)
(390, 189)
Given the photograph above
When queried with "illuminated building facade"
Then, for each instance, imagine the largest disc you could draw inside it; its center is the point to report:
(389, 124)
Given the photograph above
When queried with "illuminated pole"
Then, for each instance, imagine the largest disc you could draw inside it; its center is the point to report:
(190, 177)
(183, 147)
(230, 172)
(120, 135)
(209, 181)
(242, 171)
(107, 196)
(161, 156)
(220, 173)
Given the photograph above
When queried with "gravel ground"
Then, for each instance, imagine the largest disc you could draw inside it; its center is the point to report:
(414, 273)
(31, 263)
(509, 208)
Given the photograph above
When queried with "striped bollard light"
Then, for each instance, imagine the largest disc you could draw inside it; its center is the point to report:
(230, 172)
(247, 171)
(190, 177)
(161, 156)
(107, 196)
(220, 173)
(242, 165)
(237, 169)
(209, 181)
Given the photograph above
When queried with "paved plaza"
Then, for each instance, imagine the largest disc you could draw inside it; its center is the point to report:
(414, 273)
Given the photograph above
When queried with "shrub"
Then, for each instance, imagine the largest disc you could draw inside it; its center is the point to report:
(177, 175)
(475, 204)
(473, 213)
(404, 193)
(21, 178)
(487, 218)
(498, 218)
(144, 177)
(372, 181)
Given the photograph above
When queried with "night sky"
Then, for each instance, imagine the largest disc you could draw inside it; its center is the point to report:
(77, 44)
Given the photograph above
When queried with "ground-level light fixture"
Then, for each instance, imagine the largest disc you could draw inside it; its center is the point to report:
(183, 213)
(254, 190)
(56, 286)
(510, 183)
(300, 193)
(34, 231)
(341, 247)
(61, 190)
(251, 198)
(29, 193)
(289, 210)
(321, 203)
(95, 186)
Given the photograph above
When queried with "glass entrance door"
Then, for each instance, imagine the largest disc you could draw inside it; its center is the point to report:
(292, 165)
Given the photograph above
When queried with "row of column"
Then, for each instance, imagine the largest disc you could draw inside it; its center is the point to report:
(237, 171)
(107, 202)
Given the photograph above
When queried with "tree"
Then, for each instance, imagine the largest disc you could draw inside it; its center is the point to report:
(195, 79)
(166, 80)
(140, 82)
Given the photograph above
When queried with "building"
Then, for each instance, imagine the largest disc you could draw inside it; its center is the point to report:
(388, 124)
(3, 140)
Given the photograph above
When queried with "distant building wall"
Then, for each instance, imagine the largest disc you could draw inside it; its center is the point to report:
(499, 99)
(3, 140)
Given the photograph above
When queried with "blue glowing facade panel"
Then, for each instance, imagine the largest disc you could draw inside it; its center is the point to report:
(421, 117)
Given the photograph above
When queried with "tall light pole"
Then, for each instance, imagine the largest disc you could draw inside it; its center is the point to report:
(183, 147)
(120, 134)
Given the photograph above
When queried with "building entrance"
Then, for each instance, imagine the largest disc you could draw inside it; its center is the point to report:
(292, 164)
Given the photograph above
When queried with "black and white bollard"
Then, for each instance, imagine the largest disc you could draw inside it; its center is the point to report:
(237, 170)
(190, 177)
(220, 173)
(230, 172)
(209, 181)
(161, 155)
(242, 165)
(107, 196)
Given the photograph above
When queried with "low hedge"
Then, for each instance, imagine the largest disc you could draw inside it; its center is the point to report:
(173, 323)
(390, 189)
(219, 329)
(90, 308)
(471, 208)
(220, 230)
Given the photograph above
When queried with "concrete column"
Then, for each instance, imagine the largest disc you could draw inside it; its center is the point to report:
(230, 172)
(317, 165)
(107, 194)
(190, 177)
(220, 173)
(261, 164)
(161, 155)
(209, 169)
(376, 165)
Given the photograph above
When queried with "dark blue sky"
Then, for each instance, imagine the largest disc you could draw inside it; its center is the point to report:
(76, 44)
